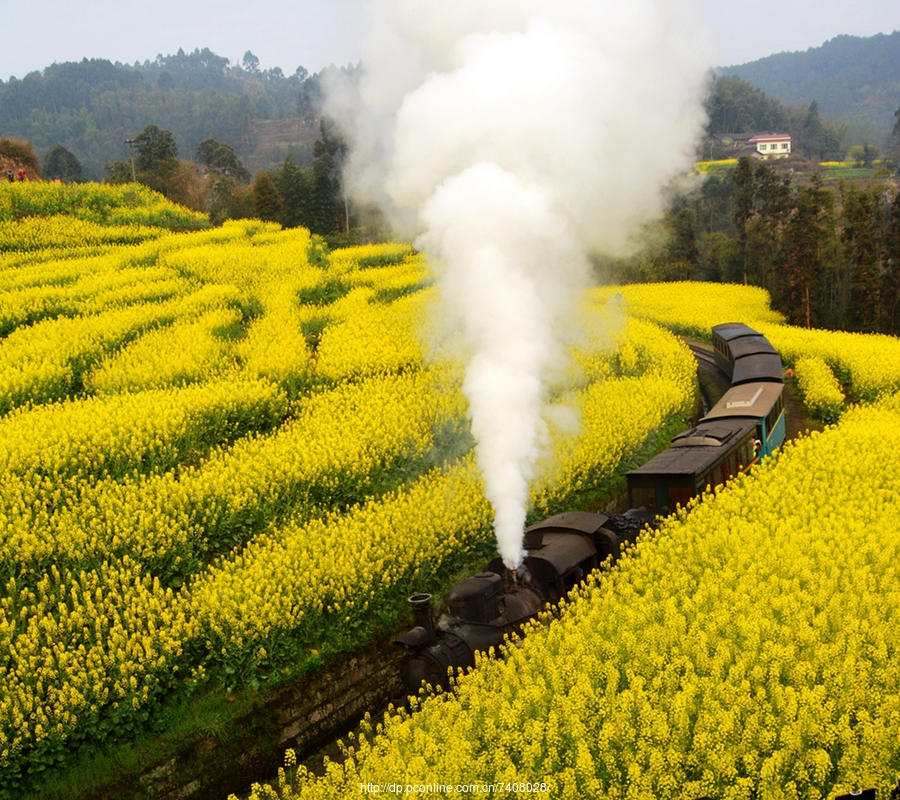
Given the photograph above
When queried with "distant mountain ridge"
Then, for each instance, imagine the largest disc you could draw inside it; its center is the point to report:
(92, 107)
(852, 78)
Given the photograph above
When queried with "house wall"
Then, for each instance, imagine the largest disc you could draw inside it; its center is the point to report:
(776, 149)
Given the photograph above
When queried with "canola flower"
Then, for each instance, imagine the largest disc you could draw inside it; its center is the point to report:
(820, 389)
(103, 204)
(271, 590)
(42, 361)
(705, 166)
(689, 308)
(337, 564)
(321, 436)
(366, 337)
(695, 666)
(101, 283)
(273, 269)
(86, 654)
(236, 495)
(362, 258)
(136, 475)
(345, 437)
(188, 351)
(153, 430)
(39, 233)
(57, 267)
(870, 363)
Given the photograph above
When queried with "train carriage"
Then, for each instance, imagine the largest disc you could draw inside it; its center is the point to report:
(701, 457)
(761, 402)
(722, 336)
(746, 356)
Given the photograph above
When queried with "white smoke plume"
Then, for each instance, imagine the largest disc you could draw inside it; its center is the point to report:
(513, 137)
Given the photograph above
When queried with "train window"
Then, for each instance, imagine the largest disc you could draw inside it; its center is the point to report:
(774, 414)
(679, 495)
(746, 454)
(732, 464)
(643, 496)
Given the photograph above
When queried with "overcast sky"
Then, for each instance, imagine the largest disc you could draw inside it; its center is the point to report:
(315, 33)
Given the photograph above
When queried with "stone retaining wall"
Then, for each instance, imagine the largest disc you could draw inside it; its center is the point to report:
(306, 715)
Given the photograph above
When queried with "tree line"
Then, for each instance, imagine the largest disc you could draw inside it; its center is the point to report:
(217, 182)
(311, 197)
(828, 255)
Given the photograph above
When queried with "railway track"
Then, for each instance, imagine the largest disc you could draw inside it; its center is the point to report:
(702, 354)
(713, 382)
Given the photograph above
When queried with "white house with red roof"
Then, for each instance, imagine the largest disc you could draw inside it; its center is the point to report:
(758, 145)
(771, 145)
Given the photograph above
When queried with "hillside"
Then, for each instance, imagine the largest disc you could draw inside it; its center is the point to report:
(93, 106)
(852, 78)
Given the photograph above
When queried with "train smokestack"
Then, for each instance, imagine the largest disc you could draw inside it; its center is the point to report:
(421, 607)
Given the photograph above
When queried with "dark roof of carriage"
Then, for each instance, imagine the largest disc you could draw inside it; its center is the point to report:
(695, 450)
(763, 367)
(751, 345)
(734, 330)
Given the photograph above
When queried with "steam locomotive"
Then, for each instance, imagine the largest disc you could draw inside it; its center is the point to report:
(745, 425)
(482, 610)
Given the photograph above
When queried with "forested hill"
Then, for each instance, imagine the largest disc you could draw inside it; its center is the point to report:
(852, 78)
(93, 106)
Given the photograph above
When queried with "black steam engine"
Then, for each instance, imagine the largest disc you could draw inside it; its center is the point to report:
(484, 609)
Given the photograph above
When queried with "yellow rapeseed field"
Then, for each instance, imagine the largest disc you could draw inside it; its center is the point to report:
(226, 452)
(747, 650)
(197, 427)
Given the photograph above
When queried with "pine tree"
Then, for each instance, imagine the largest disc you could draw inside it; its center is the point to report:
(891, 279)
(61, 164)
(293, 185)
(863, 221)
(267, 200)
(807, 249)
(743, 211)
(326, 202)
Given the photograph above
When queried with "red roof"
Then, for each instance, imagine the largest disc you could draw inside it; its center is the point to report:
(770, 137)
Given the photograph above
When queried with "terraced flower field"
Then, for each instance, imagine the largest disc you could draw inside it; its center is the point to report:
(226, 454)
(749, 649)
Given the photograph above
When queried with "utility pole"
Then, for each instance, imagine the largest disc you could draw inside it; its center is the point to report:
(130, 143)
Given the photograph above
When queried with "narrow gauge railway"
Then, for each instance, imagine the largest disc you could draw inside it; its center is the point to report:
(702, 355)
(747, 424)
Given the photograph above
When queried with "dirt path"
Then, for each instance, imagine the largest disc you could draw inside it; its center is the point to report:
(796, 420)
